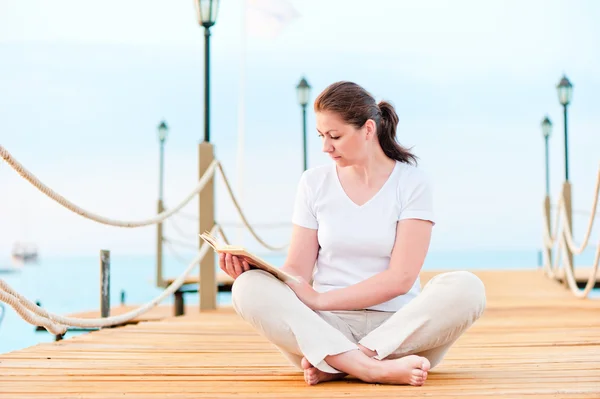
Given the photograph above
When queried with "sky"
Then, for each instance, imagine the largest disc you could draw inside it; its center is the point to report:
(84, 84)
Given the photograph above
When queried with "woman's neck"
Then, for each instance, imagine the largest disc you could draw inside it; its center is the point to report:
(373, 168)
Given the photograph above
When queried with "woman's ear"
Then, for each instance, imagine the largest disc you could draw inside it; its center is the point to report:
(371, 129)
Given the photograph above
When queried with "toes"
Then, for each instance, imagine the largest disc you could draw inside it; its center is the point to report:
(305, 363)
(417, 373)
(417, 381)
(426, 365)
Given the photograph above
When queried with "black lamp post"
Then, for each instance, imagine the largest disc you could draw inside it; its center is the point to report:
(303, 91)
(207, 15)
(565, 93)
(546, 130)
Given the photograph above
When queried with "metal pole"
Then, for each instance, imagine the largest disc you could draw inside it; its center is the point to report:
(304, 132)
(207, 84)
(161, 170)
(159, 248)
(547, 170)
(566, 146)
(159, 226)
(104, 283)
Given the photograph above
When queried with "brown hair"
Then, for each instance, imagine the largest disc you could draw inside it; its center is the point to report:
(355, 106)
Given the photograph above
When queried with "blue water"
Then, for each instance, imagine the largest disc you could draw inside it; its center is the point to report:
(71, 284)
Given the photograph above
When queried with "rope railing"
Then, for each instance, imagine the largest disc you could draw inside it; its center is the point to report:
(563, 236)
(208, 174)
(56, 324)
(20, 169)
(243, 217)
(568, 233)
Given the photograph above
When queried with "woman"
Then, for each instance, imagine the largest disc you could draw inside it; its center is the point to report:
(362, 229)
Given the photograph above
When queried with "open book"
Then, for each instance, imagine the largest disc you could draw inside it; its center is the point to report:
(242, 253)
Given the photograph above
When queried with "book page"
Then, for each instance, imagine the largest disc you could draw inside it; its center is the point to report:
(242, 253)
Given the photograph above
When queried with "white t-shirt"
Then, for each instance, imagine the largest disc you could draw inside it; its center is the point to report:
(356, 241)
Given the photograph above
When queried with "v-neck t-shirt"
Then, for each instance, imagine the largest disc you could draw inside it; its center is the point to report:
(356, 241)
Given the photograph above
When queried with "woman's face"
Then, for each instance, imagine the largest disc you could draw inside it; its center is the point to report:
(344, 143)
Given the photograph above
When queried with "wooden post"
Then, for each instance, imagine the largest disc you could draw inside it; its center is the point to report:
(569, 214)
(104, 283)
(159, 248)
(547, 214)
(207, 286)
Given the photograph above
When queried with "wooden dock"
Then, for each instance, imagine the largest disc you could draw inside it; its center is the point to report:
(535, 340)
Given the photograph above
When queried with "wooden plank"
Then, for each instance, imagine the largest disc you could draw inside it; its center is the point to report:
(581, 276)
(535, 340)
(159, 312)
(222, 279)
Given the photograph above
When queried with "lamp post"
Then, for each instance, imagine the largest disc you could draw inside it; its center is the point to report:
(303, 92)
(206, 12)
(163, 132)
(565, 93)
(546, 130)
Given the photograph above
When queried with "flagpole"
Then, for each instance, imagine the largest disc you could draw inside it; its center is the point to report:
(241, 118)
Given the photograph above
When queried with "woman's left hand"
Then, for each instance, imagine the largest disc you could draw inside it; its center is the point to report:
(306, 293)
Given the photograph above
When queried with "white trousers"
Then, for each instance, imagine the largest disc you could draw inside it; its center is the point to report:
(427, 326)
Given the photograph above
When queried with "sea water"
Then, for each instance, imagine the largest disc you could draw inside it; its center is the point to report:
(65, 285)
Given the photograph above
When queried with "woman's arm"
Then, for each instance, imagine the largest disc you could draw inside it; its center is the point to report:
(302, 253)
(408, 254)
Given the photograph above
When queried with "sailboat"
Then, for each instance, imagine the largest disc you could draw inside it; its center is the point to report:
(24, 252)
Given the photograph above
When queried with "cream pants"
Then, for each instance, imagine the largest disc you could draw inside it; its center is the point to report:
(427, 326)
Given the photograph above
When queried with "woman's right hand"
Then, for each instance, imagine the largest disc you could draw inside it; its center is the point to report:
(232, 265)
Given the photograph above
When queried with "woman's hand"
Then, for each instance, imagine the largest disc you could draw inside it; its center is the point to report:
(232, 265)
(306, 293)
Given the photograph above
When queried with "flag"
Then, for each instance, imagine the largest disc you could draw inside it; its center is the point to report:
(268, 18)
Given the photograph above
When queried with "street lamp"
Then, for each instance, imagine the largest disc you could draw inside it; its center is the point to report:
(565, 93)
(163, 132)
(546, 130)
(303, 91)
(207, 11)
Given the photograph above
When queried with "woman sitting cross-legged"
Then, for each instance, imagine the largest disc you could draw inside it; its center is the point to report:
(362, 229)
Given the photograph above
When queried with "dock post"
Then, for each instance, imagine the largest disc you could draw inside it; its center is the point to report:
(104, 283)
(207, 284)
(159, 248)
(569, 217)
(547, 214)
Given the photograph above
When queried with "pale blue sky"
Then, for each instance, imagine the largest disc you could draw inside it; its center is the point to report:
(83, 85)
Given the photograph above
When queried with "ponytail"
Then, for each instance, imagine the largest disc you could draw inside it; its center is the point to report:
(386, 134)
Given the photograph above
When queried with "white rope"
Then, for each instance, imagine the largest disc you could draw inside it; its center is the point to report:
(100, 219)
(569, 234)
(56, 324)
(548, 238)
(570, 277)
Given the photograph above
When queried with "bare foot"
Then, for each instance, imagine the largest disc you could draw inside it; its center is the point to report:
(367, 351)
(313, 375)
(405, 370)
